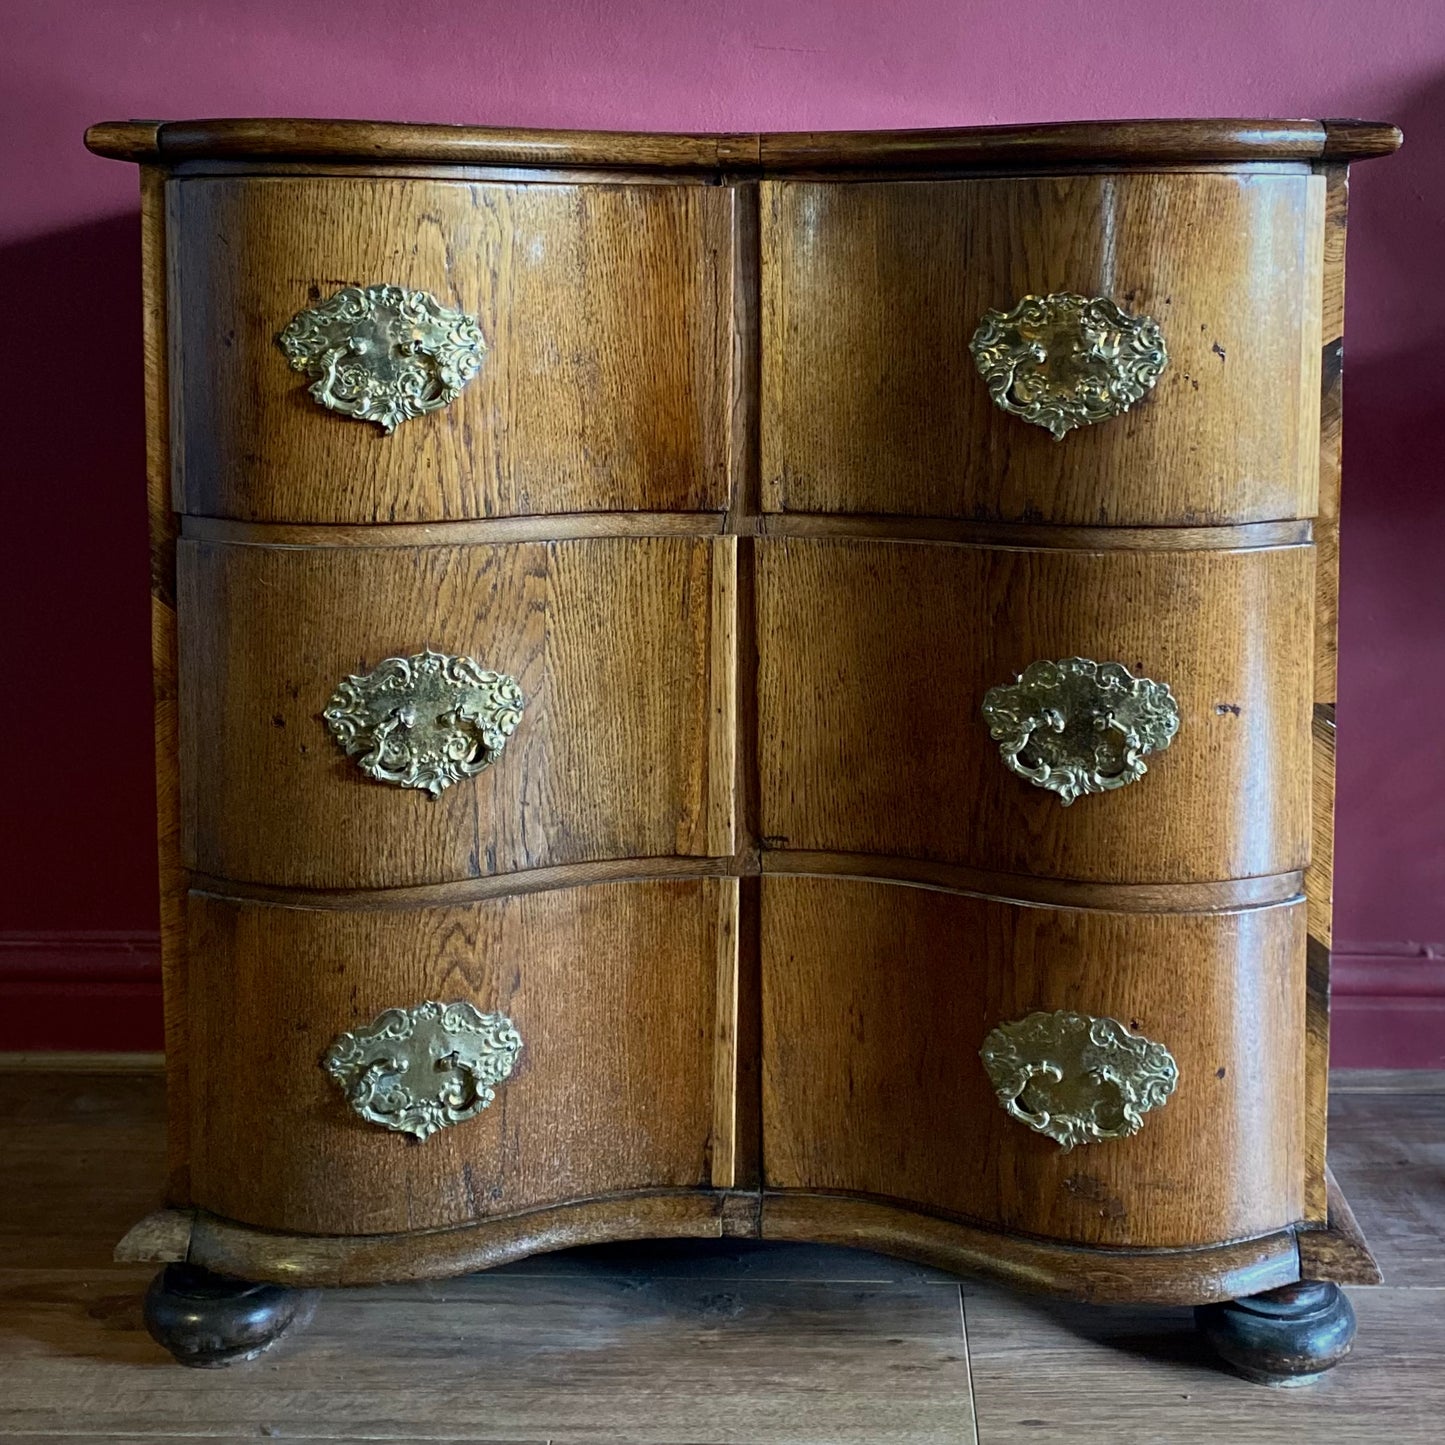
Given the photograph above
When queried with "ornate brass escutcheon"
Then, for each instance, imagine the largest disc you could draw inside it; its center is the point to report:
(425, 721)
(417, 1070)
(1078, 726)
(383, 353)
(1077, 1079)
(1063, 360)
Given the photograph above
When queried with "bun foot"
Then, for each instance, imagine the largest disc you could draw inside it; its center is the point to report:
(1288, 1336)
(207, 1320)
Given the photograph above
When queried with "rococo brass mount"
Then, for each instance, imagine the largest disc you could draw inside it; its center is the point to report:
(1064, 361)
(417, 1070)
(1078, 726)
(1077, 1079)
(383, 353)
(425, 721)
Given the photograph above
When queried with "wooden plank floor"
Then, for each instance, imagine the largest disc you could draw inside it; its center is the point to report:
(682, 1343)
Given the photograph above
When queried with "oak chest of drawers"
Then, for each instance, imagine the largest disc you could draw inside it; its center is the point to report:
(762, 685)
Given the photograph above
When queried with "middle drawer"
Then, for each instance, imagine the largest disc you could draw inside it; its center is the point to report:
(875, 658)
(621, 648)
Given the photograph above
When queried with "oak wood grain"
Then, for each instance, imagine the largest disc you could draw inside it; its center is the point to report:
(1215, 897)
(1319, 893)
(1096, 1276)
(165, 669)
(1337, 1250)
(877, 999)
(1119, 142)
(613, 646)
(872, 401)
(875, 658)
(723, 1143)
(241, 1250)
(1331, 408)
(612, 987)
(604, 385)
(1047, 535)
(1049, 1373)
(493, 531)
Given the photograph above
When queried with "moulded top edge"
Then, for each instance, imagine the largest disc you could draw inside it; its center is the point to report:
(1015, 147)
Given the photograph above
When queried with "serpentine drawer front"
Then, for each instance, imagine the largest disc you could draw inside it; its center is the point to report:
(611, 989)
(873, 738)
(611, 647)
(758, 685)
(873, 293)
(601, 343)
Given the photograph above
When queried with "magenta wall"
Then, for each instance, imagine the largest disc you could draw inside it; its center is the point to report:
(78, 913)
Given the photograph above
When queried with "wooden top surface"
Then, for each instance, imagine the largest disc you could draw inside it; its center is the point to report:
(1013, 148)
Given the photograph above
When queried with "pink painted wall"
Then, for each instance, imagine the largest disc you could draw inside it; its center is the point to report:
(78, 773)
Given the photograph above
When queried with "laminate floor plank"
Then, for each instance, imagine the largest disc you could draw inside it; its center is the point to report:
(1053, 1374)
(580, 1360)
(1388, 1154)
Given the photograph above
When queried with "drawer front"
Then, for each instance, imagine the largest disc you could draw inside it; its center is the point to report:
(875, 659)
(610, 989)
(872, 293)
(620, 649)
(878, 998)
(603, 319)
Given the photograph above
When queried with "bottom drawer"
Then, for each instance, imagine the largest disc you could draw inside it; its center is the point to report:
(878, 997)
(611, 987)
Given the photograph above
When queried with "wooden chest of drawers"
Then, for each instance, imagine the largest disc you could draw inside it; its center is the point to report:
(762, 685)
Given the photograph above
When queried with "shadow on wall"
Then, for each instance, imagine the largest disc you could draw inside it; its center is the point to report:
(1390, 857)
(74, 587)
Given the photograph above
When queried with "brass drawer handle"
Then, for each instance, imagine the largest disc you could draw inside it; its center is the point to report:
(1063, 360)
(1076, 1079)
(1078, 726)
(425, 721)
(420, 1069)
(383, 353)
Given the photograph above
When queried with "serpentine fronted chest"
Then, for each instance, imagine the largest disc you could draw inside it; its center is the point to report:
(776, 686)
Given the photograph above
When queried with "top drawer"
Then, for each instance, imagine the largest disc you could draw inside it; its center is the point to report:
(603, 311)
(872, 402)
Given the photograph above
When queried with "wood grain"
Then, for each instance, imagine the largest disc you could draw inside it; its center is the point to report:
(1331, 406)
(875, 658)
(1119, 142)
(604, 386)
(872, 402)
(612, 987)
(491, 531)
(877, 999)
(599, 1359)
(1023, 534)
(611, 642)
(165, 671)
(1113, 143)
(350, 1260)
(1097, 1276)
(723, 1145)
(1188, 1276)
(1216, 897)
(1058, 1374)
(1388, 1151)
(1319, 893)
(1337, 1251)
